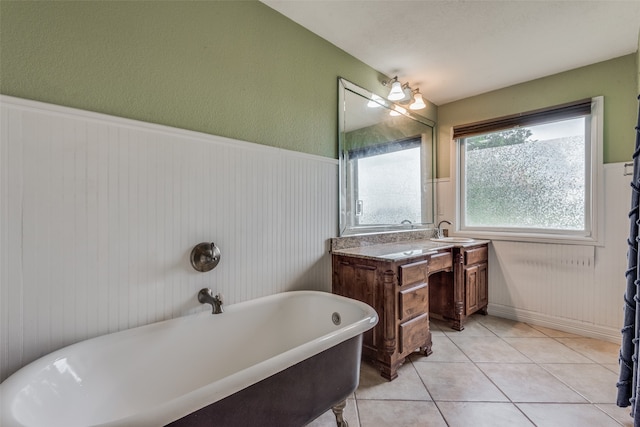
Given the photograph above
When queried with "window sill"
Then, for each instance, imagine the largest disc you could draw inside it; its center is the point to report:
(530, 237)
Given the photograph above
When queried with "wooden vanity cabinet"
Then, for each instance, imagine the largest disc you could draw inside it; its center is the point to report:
(399, 292)
(469, 293)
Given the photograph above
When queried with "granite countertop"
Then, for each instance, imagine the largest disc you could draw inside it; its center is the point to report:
(402, 250)
(395, 251)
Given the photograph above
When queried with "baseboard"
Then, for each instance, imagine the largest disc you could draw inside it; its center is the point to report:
(604, 333)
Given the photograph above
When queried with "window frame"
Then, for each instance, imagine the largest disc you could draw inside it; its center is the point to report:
(594, 206)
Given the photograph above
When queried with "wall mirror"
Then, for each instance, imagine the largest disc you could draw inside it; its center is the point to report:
(387, 164)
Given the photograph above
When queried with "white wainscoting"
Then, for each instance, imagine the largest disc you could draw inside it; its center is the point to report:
(572, 288)
(98, 216)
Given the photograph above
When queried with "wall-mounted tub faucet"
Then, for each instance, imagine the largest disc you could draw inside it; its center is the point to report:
(205, 256)
(205, 296)
(439, 234)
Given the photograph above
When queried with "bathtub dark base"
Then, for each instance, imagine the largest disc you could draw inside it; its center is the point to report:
(291, 398)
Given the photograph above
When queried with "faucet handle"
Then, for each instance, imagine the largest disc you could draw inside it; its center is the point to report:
(205, 256)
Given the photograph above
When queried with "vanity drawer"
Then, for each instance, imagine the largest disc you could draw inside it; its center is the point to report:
(476, 255)
(413, 301)
(416, 272)
(414, 333)
(440, 261)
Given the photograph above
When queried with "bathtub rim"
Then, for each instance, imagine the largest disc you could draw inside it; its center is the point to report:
(174, 409)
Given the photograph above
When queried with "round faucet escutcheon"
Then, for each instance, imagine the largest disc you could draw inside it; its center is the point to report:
(205, 256)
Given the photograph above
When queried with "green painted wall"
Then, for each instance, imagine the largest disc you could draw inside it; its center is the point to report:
(236, 69)
(614, 79)
(239, 69)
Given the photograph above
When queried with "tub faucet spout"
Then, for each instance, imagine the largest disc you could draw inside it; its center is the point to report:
(205, 296)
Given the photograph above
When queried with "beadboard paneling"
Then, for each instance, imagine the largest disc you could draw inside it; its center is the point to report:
(569, 287)
(99, 214)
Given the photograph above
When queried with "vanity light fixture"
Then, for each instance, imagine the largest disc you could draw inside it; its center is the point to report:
(418, 102)
(403, 94)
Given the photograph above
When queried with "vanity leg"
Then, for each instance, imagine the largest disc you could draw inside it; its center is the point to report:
(338, 412)
(483, 311)
(426, 349)
(389, 372)
(458, 325)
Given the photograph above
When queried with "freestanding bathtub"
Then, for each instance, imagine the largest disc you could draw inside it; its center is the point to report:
(278, 360)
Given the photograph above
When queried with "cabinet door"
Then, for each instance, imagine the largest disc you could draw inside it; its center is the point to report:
(355, 281)
(358, 282)
(483, 291)
(476, 292)
(471, 281)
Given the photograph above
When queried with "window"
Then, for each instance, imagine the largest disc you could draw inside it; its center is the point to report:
(533, 175)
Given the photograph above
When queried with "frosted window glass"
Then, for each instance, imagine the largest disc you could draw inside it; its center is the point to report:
(388, 188)
(529, 178)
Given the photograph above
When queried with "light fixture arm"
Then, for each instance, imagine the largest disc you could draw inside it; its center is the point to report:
(390, 81)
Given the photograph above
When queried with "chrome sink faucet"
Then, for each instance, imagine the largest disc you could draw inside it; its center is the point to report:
(439, 234)
(205, 296)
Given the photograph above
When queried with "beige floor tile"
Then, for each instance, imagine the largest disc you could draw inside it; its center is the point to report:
(382, 413)
(613, 367)
(474, 377)
(546, 350)
(445, 324)
(488, 349)
(554, 333)
(619, 414)
(444, 350)
(566, 415)
(482, 414)
(458, 382)
(529, 383)
(329, 420)
(596, 350)
(437, 325)
(596, 383)
(408, 385)
(471, 329)
(509, 328)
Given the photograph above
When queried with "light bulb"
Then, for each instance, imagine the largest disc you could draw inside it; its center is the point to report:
(418, 102)
(375, 101)
(397, 110)
(407, 93)
(396, 92)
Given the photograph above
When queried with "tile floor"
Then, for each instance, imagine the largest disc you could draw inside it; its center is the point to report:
(495, 373)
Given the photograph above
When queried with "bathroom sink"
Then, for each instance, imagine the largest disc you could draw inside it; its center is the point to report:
(454, 240)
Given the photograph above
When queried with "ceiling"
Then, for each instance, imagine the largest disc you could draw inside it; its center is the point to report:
(455, 49)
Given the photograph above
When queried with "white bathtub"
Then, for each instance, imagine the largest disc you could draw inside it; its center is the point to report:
(155, 374)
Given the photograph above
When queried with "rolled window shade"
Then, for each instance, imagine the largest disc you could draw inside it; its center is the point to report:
(385, 148)
(534, 117)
